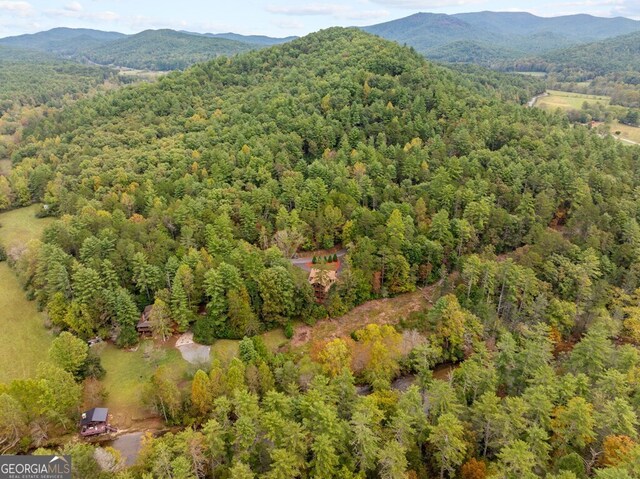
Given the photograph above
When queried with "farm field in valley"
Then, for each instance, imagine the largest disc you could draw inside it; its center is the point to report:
(630, 133)
(569, 101)
(26, 341)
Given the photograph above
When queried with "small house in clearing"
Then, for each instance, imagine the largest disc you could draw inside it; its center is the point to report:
(321, 280)
(95, 421)
(144, 324)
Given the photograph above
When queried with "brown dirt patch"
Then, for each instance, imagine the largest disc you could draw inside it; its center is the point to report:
(378, 311)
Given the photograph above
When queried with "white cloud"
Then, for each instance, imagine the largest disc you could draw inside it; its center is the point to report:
(312, 9)
(73, 7)
(19, 8)
(338, 11)
(106, 16)
(426, 4)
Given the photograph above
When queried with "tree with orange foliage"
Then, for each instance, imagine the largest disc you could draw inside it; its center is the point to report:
(616, 448)
(474, 469)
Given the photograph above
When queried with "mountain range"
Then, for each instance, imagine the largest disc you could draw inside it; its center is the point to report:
(486, 38)
(150, 49)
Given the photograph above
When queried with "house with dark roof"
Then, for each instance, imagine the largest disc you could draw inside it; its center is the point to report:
(144, 324)
(95, 421)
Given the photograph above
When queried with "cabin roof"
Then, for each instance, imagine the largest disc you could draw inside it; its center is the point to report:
(97, 414)
(144, 323)
(324, 278)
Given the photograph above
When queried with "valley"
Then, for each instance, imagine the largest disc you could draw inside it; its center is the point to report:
(326, 256)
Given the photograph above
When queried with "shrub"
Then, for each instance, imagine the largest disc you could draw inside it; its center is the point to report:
(288, 331)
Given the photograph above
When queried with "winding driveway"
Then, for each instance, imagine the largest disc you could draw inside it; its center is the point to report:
(303, 263)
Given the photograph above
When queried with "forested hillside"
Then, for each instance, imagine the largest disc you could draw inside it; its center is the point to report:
(192, 194)
(150, 49)
(62, 41)
(162, 50)
(254, 39)
(489, 38)
(28, 77)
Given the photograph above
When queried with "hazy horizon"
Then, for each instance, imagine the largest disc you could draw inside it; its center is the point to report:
(278, 18)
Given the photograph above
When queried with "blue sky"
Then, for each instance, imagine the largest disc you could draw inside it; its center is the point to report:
(271, 17)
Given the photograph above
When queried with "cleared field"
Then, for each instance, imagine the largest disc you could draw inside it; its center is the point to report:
(569, 101)
(128, 373)
(26, 341)
(630, 133)
(21, 226)
(226, 349)
(532, 74)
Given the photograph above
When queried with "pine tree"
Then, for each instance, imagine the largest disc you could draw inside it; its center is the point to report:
(201, 396)
(393, 461)
(179, 305)
(447, 440)
(325, 459)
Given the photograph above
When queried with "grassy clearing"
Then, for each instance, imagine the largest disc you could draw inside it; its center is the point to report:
(569, 101)
(18, 227)
(227, 349)
(631, 133)
(26, 341)
(129, 371)
(532, 74)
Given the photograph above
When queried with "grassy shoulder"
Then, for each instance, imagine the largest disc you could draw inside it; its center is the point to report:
(25, 340)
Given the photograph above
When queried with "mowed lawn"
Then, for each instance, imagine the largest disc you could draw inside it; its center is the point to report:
(569, 101)
(25, 339)
(128, 373)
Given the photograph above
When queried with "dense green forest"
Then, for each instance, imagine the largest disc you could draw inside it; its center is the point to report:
(151, 49)
(32, 78)
(254, 39)
(162, 50)
(192, 193)
(615, 55)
